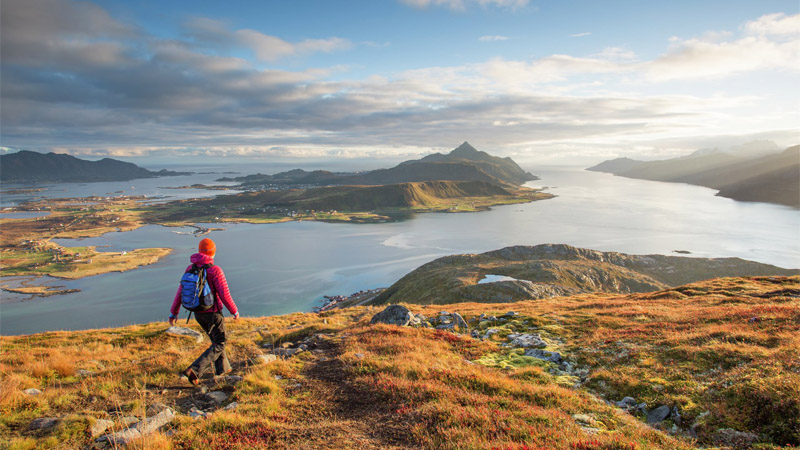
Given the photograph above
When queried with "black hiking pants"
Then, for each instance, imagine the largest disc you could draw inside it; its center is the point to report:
(214, 326)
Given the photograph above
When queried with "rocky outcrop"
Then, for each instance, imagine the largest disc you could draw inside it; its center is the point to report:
(142, 428)
(393, 315)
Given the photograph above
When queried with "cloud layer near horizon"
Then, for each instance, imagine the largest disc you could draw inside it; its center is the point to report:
(77, 79)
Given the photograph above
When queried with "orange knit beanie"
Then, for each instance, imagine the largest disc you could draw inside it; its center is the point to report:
(207, 247)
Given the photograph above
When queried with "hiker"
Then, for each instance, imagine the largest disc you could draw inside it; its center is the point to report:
(208, 315)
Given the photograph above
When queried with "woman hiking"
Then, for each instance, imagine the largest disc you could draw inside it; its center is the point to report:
(211, 319)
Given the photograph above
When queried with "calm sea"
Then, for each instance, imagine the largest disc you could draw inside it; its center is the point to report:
(282, 268)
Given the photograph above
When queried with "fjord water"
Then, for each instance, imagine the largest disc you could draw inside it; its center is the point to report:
(281, 268)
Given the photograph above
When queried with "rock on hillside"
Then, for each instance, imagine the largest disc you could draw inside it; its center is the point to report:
(552, 270)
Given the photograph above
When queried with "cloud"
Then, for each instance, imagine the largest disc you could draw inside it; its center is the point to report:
(108, 86)
(774, 24)
(461, 5)
(265, 47)
(576, 35)
(494, 38)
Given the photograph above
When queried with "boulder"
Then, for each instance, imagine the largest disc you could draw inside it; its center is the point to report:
(181, 331)
(676, 416)
(231, 406)
(196, 413)
(554, 357)
(155, 408)
(527, 340)
(31, 391)
(43, 423)
(217, 397)
(143, 428)
(393, 315)
(459, 321)
(659, 414)
(234, 379)
(626, 403)
(100, 426)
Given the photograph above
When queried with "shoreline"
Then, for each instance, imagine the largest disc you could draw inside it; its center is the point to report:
(27, 249)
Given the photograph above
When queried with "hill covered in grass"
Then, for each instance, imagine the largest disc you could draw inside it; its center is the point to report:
(720, 356)
(28, 166)
(551, 270)
(345, 203)
(773, 178)
(465, 163)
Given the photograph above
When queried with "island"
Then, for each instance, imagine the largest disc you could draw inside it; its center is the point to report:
(465, 180)
(26, 166)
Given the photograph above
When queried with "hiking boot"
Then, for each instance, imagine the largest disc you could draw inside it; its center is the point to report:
(193, 378)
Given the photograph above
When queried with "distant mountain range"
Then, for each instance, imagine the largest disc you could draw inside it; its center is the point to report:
(28, 166)
(465, 163)
(772, 178)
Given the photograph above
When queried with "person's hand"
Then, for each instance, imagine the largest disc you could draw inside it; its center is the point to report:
(236, 316)
(172, 321)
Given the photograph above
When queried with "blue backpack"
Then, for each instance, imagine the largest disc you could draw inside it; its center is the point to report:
(196, 294)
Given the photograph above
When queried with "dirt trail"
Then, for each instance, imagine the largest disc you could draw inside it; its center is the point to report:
(333, 412)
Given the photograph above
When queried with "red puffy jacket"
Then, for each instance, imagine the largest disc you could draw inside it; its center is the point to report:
(219, 285)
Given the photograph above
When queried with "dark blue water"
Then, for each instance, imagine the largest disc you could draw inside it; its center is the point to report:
(281, 268)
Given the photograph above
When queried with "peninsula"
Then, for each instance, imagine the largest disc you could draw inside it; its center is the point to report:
(773, 177)
(31, 167)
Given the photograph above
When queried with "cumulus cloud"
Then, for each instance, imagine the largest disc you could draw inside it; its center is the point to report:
(774, 24)
(108, 86)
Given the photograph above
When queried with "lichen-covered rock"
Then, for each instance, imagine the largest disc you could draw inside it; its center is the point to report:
(217, 397)
(31, 391)
(554, 357)
(527, 340)
(100, 426)
(43, 423)
(143, 428)
(459, 321)
(659, 414)
(393, 315)
(188, 332)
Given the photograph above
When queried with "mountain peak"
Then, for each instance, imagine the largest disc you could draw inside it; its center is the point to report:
(464, 149)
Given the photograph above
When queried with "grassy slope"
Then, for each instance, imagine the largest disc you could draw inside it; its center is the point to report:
(569, 269)
(350, 202)
(386, 387)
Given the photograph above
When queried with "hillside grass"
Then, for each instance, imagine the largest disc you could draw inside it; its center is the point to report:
(696, 347)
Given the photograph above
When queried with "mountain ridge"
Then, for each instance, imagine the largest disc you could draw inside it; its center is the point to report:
(464, 163)
(28, 166)
(772, 178)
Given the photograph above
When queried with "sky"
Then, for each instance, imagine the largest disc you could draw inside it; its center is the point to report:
(540, 81)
